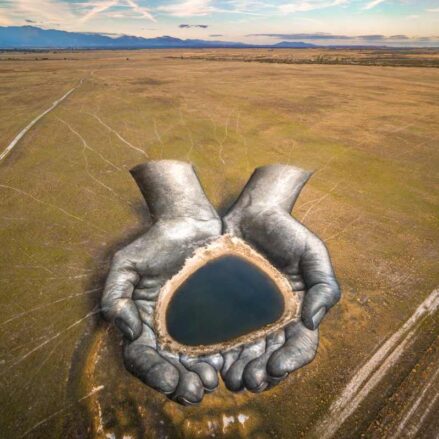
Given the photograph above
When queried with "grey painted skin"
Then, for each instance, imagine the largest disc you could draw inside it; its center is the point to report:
(183, 220)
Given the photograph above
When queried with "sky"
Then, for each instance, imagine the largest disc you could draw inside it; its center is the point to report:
(371, 22)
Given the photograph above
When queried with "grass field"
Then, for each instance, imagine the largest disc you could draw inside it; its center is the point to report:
(364, 57)
(371, 135)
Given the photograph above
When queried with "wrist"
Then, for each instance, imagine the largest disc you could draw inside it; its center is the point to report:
(171, 189)
(272, 187)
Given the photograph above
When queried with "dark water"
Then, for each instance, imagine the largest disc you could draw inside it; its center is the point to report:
(224, 299)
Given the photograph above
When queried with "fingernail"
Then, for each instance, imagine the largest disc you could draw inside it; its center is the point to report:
(260, 388)
(277, 379)
(126, 330)
(317, 317)
(183, 401)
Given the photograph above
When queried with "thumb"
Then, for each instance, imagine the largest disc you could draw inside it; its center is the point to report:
(317, 302)
(117, 304)
(323, 291)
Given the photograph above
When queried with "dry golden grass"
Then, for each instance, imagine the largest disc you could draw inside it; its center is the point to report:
(369, 133)
(364, 57)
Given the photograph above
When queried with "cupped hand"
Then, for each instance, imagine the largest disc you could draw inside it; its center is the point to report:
(183, 221)
(261, 217)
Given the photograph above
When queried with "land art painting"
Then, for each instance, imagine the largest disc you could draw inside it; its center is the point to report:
(266, 333)
(219, 242)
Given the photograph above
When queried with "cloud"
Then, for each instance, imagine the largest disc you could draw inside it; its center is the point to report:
(140, 10)
(71, 13)
(399, 37)
(126, 15)
(387, 39)
(47, 11)
(293, 37)
(216, 35)
(97, 9)
(193, 8)
(188, 8)
(309, 5)
(373, 3)
(134, 10)
(428, 39)
(348, 39)
(4, 20)
(187, 26)
(372, 37)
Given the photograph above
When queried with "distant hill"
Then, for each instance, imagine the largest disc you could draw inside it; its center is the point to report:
(31, 37)
(293, 44)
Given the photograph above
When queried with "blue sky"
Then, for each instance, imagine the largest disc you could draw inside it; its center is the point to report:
(390, 22)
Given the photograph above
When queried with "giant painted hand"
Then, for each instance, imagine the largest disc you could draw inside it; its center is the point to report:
(261, 216)
(183, 219)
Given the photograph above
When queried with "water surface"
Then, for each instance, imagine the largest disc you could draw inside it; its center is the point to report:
(226, 298)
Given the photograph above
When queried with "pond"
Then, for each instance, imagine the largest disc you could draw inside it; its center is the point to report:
(226, 298)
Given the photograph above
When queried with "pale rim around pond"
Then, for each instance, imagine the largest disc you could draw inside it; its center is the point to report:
(224, 245)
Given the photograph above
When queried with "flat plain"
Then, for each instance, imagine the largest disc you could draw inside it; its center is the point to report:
(370, 133)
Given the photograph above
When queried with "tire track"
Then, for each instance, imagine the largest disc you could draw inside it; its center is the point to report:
(374, 370)
(23, 132)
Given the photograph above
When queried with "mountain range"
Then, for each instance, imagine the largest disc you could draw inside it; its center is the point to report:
(32, 37)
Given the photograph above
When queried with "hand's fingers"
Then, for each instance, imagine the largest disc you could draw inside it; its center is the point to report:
(233, 378)
(206, 372)
(255, 375)
(117, 304)
(190, 389)
(299, 349)
(147, 289)
(215, 360)
(296, 281)
(323, 290)
(143, 361)
(229, 358)
(146, 310)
